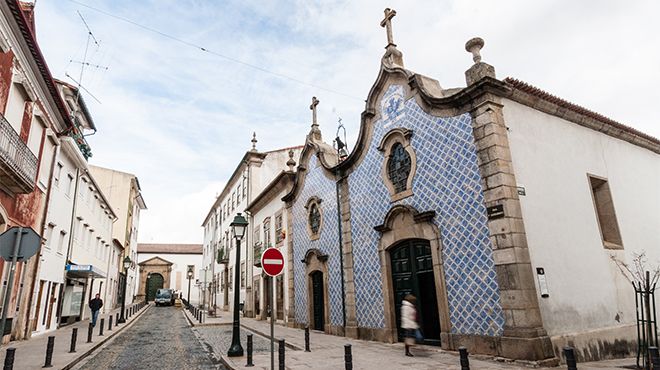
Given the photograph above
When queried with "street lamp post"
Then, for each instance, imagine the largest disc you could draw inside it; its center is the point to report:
(238, 227)
(127, 264)
(190, 275)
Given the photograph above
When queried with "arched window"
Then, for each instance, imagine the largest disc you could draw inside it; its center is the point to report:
(399, 163)
(398, 167)
(314, 217)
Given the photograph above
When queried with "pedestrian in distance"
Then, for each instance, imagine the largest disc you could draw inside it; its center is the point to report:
(409, 322)
(95, 305)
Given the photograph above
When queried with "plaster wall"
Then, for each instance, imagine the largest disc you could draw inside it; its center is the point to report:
(552, 158)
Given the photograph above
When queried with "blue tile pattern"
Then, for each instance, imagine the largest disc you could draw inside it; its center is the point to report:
(319, 185)
(447, 180)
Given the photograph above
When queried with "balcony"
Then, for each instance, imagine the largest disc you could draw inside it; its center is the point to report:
(18, 166)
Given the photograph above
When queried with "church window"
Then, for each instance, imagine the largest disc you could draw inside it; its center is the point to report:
(314, 219)
(399, 163)
(605, 214)
(398, 167)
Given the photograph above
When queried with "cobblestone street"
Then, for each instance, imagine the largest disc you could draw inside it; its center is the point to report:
(161, 339)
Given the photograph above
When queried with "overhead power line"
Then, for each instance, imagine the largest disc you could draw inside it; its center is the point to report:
(212, 52)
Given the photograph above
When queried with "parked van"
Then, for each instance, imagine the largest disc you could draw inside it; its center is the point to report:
(164, 297)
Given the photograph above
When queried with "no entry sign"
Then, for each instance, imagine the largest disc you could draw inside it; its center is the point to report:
(272, 261)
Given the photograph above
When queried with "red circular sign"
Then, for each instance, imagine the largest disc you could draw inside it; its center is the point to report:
(272, 262)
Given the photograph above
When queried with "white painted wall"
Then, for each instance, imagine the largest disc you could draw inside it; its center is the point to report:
(551, 159)
(180, 264)
(271, 209)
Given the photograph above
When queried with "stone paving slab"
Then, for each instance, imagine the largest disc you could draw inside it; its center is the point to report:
(31, 353)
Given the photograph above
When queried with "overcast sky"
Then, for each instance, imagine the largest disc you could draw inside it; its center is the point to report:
(181, 119)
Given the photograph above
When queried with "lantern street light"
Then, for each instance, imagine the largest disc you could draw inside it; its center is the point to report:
(190, 275)
(238, 227)
(127, 265)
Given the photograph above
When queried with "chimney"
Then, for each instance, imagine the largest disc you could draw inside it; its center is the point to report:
(28, 12)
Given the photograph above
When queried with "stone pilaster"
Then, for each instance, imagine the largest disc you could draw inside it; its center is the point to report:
(351, 329)
(524, 336)
(291, 314)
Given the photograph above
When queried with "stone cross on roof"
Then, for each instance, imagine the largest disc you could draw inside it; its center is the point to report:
(254, 141)
(315, 102)
(316, 133)
(387, 23)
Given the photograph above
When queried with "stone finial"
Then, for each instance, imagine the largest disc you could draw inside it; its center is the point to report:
(479, 69)
(474, 46)
(291, 163)
(254, 141)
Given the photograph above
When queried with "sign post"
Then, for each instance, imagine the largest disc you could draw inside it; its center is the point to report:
(272, 262)
(16, 244)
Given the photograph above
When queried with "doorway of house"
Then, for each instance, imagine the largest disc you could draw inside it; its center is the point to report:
(154, 282)
(412, 273)
(317, 300)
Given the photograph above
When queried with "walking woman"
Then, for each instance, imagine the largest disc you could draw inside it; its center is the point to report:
(409, 321)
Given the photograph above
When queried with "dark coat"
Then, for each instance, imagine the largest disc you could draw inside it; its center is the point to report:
(96, 304)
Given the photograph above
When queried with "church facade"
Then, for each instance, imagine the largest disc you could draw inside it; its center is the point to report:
(484, 202)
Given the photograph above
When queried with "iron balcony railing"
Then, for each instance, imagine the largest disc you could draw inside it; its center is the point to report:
(18, 165)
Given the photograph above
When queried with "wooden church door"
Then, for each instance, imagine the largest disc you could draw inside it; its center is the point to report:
(317, 300)
(412, 273)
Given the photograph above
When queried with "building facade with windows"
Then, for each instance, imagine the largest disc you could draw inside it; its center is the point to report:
(90, 254)
(485, 202)
(254, 173)
(125, 196)
(268, 213)
(34, 122)
(69, 164)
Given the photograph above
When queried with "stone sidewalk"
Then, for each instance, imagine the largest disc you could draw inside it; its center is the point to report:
(31, 353)
(327, 351)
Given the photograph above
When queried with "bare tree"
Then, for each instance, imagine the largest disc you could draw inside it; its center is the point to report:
(636, 271)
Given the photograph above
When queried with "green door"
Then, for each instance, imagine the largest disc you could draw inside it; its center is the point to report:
(412, 273)
(154, 282)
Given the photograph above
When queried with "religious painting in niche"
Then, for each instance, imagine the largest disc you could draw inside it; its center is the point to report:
(399, 167)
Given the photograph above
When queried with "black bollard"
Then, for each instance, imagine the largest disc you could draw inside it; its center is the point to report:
(117, 319)
(49, 351)
(127, 313)
(101, 327)
(569, 353)
(307, 339)
(249, 351)
(348, 357)
(90, 328)
(9, 358)
(655, 357)
(463, 354)
(74, 339)
(110, 322)
(281, 352)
